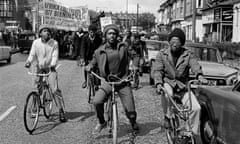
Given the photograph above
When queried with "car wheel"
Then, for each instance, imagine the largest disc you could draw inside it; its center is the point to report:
(207, 130)
(9, 59)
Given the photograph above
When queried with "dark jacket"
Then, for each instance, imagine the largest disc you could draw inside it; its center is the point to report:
(100, 60)
(77, 43)
(88, 47)
(164, 70)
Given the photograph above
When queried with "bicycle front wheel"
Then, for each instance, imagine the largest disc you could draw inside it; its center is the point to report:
(31, 112)
(47, 102)
(171, 132)
(115, 123)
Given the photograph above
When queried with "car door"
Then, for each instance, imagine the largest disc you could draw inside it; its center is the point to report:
(1, 49)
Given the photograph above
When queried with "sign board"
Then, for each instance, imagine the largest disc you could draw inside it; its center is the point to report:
(105, 21)
(208, 17)
(217, 15)
(227, 14)
(61, 17)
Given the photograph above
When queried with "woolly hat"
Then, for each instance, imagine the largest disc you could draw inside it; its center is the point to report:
(44, 27)
(110, 26)
(177, 32)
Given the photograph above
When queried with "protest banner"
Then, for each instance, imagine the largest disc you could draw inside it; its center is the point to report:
(58, 16)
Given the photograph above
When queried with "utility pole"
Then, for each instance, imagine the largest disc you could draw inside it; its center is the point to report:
(194, 21)
(127, 13)
(137, 15)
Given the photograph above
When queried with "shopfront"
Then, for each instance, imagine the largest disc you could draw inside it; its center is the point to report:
(218, 24)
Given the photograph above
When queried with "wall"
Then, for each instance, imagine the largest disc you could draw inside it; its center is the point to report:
(236, 23)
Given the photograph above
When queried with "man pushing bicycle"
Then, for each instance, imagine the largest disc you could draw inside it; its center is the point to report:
(171, 71)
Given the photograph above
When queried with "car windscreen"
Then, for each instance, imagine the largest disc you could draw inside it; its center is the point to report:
(205, 54)
(156, 46)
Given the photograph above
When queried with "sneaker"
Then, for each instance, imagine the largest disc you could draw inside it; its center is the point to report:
(135, 126)
(166, 122)
(84, 84)
(62, 117)
(99, 127)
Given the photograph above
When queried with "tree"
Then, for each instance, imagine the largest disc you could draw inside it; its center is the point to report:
(146, 20)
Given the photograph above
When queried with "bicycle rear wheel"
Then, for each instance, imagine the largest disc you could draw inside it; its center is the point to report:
(115, 123)
(31, 112)
(47, 102)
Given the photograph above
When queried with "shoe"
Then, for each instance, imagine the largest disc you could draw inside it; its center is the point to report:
(99, 127)
(62, 117)
(84, 85)
(135, 126)
(166, 122)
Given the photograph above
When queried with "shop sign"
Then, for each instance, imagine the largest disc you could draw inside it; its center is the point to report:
(227, 14)
(208, 17)
(217, 15)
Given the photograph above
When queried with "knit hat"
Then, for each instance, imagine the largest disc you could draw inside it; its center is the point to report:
(177, 32)
(110, 26)
(44, 27)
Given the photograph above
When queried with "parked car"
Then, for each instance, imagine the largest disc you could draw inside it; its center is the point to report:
(220, 115)
(25, 41)
(4, 51)
(212, 65)
(153, 47)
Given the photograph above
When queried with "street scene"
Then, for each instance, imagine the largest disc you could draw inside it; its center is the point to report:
(121, 72)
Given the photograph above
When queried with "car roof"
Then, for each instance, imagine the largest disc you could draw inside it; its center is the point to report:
(200, 45)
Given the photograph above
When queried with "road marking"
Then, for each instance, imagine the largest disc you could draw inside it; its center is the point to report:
(5, 114)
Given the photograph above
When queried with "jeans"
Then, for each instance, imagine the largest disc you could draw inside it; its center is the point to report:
(194, 117)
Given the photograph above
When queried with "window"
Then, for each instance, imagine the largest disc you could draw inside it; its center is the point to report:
(6, 8)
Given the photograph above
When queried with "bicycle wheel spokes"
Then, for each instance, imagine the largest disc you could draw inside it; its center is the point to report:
(114, 123)
(31, 112)
(47, 103)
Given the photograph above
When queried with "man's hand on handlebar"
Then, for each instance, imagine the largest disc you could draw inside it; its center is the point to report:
(88, 68)
(81, 62)
(27, 64)
(159, 88)
(202, 79)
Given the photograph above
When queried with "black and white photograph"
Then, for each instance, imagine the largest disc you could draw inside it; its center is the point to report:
(119, 71)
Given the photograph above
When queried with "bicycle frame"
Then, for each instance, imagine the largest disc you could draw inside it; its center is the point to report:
(177, 111)
(112, 105)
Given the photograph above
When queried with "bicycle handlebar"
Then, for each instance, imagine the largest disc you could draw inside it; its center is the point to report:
(189, 95)
(43, 75)
(112, 83)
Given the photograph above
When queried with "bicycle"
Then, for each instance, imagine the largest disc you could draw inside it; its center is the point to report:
(34, 103)
(135, 74)
(180, 113)
(91, 88)
(111, 106)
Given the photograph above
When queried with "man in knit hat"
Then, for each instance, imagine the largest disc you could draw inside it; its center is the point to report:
(44, 52)
(171, 71)
(112, 58)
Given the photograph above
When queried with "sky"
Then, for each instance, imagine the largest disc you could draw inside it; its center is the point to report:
(116, 5)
